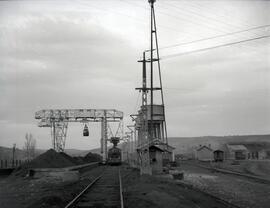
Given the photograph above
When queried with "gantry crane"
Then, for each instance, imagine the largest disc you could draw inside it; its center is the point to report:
(58, 119)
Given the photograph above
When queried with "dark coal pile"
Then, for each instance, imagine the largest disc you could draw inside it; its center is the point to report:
(49, 159)
(52, 159)
(68, 157)
(92, 157)
(79, 160)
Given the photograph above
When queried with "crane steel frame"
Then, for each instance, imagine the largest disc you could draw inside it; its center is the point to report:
(58, 119)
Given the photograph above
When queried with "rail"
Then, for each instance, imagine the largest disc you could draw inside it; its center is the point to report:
(108, 178)
(121, 191)
(220, 200)
(230, 172)
(82, 192)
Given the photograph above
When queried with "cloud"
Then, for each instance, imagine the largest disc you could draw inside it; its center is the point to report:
(80, 56)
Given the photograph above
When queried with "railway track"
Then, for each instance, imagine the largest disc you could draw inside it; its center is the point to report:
(229, 172)
(220, 200)
(105, 191)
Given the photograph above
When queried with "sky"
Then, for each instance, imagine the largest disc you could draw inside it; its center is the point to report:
(83, 54)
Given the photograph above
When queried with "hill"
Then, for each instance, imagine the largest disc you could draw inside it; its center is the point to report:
(188, 144)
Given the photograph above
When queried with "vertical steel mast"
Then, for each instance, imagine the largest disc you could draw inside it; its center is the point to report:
(150, 121)
(151, 68)
(161, 127)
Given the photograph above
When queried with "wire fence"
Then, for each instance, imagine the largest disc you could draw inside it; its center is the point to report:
(12, 163)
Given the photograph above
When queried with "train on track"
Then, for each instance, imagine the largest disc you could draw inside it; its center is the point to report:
(114, 156)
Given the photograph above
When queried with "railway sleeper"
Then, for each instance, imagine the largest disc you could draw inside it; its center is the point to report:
(99, 204)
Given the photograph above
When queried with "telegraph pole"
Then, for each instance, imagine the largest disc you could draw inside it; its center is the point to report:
(151, 69)
(13, 154)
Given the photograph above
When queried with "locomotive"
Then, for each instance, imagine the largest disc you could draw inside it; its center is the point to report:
(114, 154)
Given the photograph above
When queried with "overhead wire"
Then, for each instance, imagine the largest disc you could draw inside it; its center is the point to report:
(219, 20)
(185, 43)
(160, 25)
(249, 30)
(170, 15)
(224, 9)
(214, 37)
(191, 14)
(213, 47)
(185, 16)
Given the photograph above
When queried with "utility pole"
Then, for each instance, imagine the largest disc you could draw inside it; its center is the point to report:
(151, 69)
(13, 154)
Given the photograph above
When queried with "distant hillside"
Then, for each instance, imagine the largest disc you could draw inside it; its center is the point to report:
(77, 153)
(182, 144)
(188, 144)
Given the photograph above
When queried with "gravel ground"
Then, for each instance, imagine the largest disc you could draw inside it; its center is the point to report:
(162, 192)
(260, 168)
(140, 191)
(19, 192)
(236, 189)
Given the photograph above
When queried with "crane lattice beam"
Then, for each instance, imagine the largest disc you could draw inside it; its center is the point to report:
(58, 119)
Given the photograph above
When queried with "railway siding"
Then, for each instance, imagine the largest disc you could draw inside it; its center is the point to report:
(235, 189)
(221, 170)
(104, 191)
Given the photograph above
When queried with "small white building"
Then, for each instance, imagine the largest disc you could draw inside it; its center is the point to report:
(204, 153)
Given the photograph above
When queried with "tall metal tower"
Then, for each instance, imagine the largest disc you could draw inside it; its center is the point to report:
(157, 126)
(150, 121)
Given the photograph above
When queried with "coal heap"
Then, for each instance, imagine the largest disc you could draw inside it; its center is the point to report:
(79, 160)
(52, 159)
(69, 158)
(49, 159)
(92, 157)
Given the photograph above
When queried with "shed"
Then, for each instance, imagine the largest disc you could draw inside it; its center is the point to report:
(204, 153)
(256, 151)
(237, 152)
(156, 160)
(168, 154)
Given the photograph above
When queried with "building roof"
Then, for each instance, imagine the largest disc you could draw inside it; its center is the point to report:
(236, 147)
(156, 147)
(204, 147)
(165, 147)
(218, 150)
(257, 146)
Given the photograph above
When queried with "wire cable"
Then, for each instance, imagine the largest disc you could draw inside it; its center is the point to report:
(187, 10)
(214, 47)
(213, 37)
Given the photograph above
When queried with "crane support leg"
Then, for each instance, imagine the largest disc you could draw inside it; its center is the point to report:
(104, 138)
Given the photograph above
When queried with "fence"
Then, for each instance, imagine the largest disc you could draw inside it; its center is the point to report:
(12, 163)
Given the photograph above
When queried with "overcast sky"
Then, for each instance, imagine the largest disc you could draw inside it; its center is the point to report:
(83, 54)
